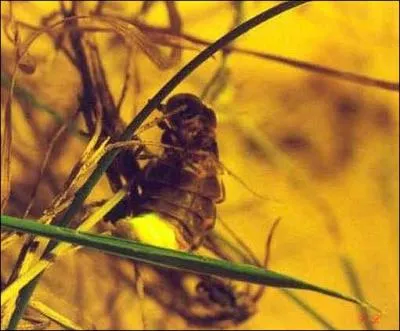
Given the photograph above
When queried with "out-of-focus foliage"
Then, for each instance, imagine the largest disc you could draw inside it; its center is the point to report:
(325, 151)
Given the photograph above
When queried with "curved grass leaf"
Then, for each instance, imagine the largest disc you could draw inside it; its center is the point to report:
(248, 256)
(168, 258)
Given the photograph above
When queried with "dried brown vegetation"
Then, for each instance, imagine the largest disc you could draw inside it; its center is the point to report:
(320, 141)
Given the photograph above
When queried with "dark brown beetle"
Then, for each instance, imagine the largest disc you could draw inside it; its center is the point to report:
(184, 184)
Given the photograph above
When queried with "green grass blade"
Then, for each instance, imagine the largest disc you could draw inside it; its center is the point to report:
(303, 305)
(167, 258)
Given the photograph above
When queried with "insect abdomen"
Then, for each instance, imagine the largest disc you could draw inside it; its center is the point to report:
(180, 195)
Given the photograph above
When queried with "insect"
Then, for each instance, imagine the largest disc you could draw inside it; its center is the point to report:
(228, 303)
(184, 184)
(213, 301)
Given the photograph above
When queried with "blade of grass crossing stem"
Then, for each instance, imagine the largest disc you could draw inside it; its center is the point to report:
(153, 103)
(168, 258)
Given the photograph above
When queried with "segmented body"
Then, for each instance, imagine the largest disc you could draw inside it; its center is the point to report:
(184, 183)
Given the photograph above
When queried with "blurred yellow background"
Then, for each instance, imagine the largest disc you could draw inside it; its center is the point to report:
(325, 151)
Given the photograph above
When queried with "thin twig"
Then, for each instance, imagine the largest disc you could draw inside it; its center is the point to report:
(45, 161)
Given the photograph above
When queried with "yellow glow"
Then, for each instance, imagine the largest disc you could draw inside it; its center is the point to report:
(148, 228)
(326, 149)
